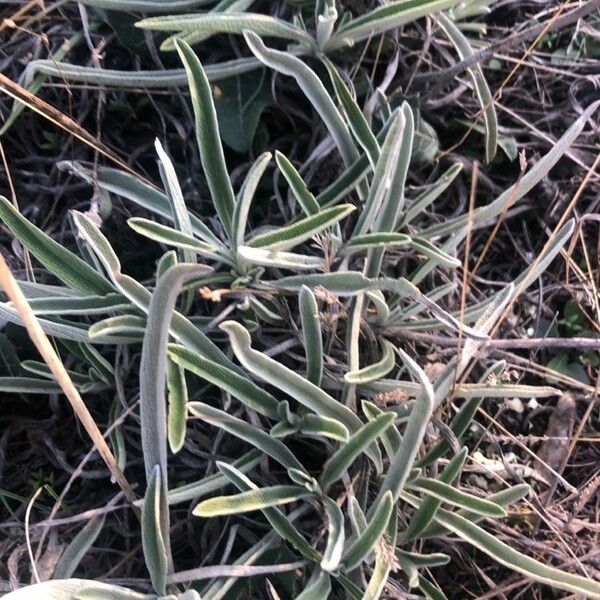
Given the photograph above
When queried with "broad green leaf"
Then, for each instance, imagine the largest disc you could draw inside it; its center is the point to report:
(311, 335)
(172, 237)
(279, 259)
(153, 365)
(207, 133)
(291, 383)
(155, 530)
(317, 588)
(177, 406)
(278, 521)
(302, 194)
(245, 196)
(237, 385)
(315, 91)
(68, 267)
(384, 18)
(250, 434)
(259, 499)
(288, 237)
(359, 442)
(521, 563)
(358, 124)
(364, 544)
(482, 90)
(377, 370)
(420, 415)
(213, 23)
(335, 536)
(77, 548)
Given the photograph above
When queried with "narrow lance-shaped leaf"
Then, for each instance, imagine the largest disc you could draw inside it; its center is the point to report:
(364, 543)
(155, 530)
(341, 460)
(482, 89)
(67, 266)
(311, 334)
(286, 238)
(235, 384)
(213, 23)
(259, 499)
(335, 536)
(291, 383)
(254, 436)
(304, 197)
(425, 513)
(390, 437)
(280, 523)
(317, 588)
(207, 132)
(507, 556)
(242, 206)
(177, 400)
(420, 415)
(153, 365)
(377, 370)
(312, 87)
(279, 259)
(76, 550)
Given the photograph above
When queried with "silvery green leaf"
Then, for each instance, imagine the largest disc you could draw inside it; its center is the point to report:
(335, 536)
(420, 415)
(279, 259)
(421, 202)
(290, 236)
(254, 436)
(153, 365)
(172, 237)
(252, 500)
(482, 90)
(68, 267)
(76, 589)
(358, 124)
(279, 522)
(450, 495)
(291, 383)
(209, 24)
(311, 335)
(177, 406)
(128, 326)
(390, 437)
(78, 305)
(521, 563)
(358, 443)
(207, 133)
(521, 187)
(42, 369)
(378, 579)
(302, 194)
(116, 437)
(364, 544)
(425, 513)
(207, 485)
(130, 187)
(382, 310)
(377, 370)
(384, 18)
(315, 91)
(437, 559)
(317, 425)
(243, 388)
(358, 521)
(166, 261)
(146, 5)
(431, 592)
(245, 196)
(77, 548)
(317, 588)
(155, 530)
(375, 240)
(434, 253)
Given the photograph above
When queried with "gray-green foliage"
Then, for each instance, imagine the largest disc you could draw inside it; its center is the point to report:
(336, 481)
